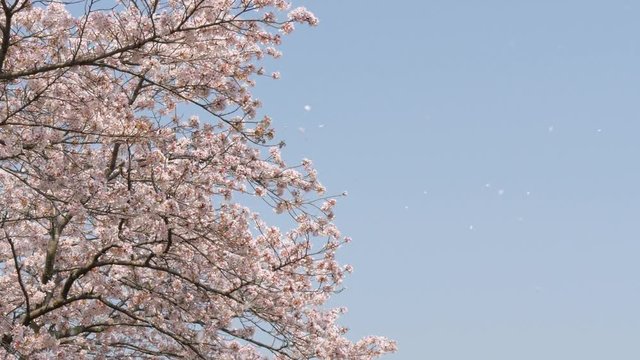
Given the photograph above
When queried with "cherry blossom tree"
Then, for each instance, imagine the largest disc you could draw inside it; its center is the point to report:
(122, 234)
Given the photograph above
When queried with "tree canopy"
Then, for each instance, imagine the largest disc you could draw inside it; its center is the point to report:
(121, 233)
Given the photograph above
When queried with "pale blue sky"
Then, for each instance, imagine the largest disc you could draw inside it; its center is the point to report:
(478, 103)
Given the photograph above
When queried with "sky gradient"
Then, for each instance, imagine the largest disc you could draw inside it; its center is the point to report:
(490, 151)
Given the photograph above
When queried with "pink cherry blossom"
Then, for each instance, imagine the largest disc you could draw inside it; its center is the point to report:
(128, 139)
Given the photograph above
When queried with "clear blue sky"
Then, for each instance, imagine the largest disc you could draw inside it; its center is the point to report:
(521, 121)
